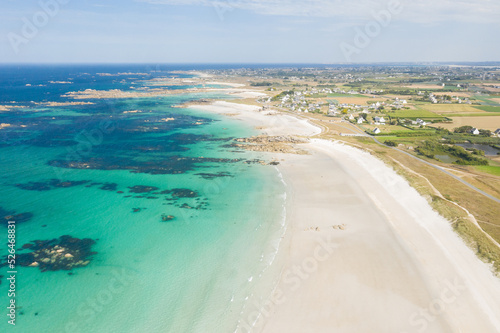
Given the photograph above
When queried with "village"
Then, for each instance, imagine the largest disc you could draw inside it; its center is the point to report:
(372, 112)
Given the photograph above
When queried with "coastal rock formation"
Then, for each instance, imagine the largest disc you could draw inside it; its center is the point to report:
(64, 103)
(193, 103)
(274, 144)
(117, 93)
(64, 253)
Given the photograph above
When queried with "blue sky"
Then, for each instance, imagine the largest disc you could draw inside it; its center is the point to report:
(248, 31)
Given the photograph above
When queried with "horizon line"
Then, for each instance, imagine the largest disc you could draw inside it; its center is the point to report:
(257, 63)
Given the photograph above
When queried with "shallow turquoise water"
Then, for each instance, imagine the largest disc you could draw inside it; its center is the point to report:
(193, 274)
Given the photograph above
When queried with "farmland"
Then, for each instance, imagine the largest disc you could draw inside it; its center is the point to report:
(489, 108)
(414, 114)
(485, 122)
(450, 108)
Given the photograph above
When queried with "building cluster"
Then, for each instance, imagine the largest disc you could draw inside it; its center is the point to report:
(447, 99)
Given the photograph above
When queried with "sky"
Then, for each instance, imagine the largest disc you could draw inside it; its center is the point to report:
(249, 31)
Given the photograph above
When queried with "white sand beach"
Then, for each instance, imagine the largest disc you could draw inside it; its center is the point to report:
(364, 252)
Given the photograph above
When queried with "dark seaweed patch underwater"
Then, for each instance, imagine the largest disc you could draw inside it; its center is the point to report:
(130, 189)
(107, 139)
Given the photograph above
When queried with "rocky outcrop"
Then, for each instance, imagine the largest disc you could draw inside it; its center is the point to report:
(64, 253)
(273, 144)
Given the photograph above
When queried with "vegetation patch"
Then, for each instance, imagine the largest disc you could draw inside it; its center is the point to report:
(485, 248)
(450, 108)
(431, 148)
(261, 84)
(492, 170)
(346, 95)
(282, 94)
(489, 108)
(414, 114)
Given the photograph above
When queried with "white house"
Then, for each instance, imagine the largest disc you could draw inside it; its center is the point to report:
(497, 132)
(421, 122)
(361, 120)
(475, 131)
(377, 130)
(379, 120)
(351, 117)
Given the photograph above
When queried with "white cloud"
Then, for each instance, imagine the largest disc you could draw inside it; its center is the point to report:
(423, 11)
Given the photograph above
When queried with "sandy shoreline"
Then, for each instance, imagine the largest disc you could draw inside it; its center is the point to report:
(364, 251)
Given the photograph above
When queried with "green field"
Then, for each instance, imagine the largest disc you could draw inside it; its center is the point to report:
(492, 170)
(489, 108)
(448, 108)
(346, 95)
(479, 114)
(486, 100)
(414, 114)
(452, 87)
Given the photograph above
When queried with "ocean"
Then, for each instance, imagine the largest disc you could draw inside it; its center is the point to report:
(176, 229)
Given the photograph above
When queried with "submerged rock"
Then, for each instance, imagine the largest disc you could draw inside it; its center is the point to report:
(184, 193)
(170, 165)
(109, 187)
(12, 216)
(64, 253)
(50, 184)
(142, 189)
(166, 218)
(211, 176)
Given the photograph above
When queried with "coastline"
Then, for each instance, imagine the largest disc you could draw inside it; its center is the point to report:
(363, 250)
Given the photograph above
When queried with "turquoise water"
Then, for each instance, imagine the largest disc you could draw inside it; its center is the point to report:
(193, 274)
